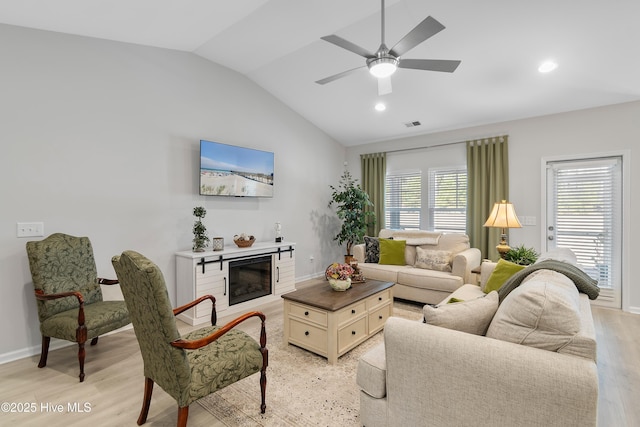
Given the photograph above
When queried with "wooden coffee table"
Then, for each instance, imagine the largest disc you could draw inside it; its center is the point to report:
(331, 323)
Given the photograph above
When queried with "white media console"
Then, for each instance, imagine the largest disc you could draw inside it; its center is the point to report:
(270, 265)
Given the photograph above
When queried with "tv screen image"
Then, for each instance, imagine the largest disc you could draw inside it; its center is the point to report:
(229, 170)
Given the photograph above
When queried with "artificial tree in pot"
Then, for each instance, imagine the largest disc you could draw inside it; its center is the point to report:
(200, 238)
(351, 202)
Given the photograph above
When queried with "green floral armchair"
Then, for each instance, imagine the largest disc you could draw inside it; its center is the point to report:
(190, 367)
(68, 294)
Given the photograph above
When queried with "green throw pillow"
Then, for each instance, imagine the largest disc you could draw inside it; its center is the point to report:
(392, 252)
(501, 274)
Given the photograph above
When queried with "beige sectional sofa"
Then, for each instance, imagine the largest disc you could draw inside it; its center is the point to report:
(423, 284)
(536, 365)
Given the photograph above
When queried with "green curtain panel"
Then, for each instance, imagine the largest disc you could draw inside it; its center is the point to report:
(374, 170)
(488, 183)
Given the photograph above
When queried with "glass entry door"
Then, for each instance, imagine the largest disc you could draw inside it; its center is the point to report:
(584, 213)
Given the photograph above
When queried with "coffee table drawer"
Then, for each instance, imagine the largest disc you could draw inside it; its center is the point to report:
(352, 334)
(378, 317)
(380, 298)
(308, 336)
(352, 312)
(312, 315)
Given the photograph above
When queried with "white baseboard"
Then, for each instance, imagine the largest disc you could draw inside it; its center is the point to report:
(634, 310)
(54, 345)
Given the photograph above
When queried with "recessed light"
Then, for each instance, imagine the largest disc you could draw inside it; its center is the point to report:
(547, 66)
(380, 106)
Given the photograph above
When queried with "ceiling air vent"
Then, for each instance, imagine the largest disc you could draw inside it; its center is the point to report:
(412, 124)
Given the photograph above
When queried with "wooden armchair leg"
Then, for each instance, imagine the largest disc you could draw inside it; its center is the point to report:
(263, 378)
(81, 355)
(146, 401)
(94, 341)
(183, 414)
(45, 351)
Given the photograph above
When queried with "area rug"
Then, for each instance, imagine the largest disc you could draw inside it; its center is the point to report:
(302, 388)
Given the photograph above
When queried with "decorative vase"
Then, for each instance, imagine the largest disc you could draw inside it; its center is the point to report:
(218, 243)
(340, 285)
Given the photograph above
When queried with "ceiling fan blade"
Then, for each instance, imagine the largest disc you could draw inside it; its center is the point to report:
(346, 44)
(384, 86)
(338, 76)
(427, 28)
(444, 65)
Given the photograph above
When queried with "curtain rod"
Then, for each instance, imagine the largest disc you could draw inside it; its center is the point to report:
(424, 148)
(444, 144)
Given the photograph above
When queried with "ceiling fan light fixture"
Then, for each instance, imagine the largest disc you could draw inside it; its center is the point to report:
(382, 67)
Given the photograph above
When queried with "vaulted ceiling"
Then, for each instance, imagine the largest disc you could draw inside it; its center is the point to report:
(277, 44)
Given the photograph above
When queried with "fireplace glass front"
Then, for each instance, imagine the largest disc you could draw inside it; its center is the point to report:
(249, 279)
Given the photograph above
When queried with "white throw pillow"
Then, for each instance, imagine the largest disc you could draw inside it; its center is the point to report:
(433, 259)
(473, 316)
(542, 312)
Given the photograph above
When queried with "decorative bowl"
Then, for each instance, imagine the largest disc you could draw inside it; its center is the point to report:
(340, 285)
(243, 243)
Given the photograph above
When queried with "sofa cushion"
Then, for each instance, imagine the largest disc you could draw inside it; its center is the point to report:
(542, 312)
(392, 252)
(371, 374)
(471, 316)
(421, 278)
(418, 237)
(371, 249)
(502, 272)
(433, 259)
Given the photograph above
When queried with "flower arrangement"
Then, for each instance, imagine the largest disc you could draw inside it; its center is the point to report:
(339, 271)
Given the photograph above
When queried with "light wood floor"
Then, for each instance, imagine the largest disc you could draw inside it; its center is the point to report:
(113, 386)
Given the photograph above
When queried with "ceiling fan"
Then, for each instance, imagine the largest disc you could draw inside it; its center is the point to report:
(384, 62)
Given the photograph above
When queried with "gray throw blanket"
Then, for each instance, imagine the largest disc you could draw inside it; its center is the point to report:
(583, 282)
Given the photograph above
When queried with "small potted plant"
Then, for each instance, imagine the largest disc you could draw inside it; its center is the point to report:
(200, 238)
(521, 255)
(351, 203)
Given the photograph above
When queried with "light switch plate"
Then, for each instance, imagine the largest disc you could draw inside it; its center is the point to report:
(30, 229)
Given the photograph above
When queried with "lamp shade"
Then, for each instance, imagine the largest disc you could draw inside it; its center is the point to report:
(503, 215)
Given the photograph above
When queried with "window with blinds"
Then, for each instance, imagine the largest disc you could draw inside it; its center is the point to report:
(448, 200)
(586, 216)
(403, 200)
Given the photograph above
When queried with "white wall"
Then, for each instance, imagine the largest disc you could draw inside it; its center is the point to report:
(101, 139)
(581, 133)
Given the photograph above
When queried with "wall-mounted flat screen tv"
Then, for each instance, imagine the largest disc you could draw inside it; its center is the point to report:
(228, 170)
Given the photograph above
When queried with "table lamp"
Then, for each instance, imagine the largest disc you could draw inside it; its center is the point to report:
(503, 215)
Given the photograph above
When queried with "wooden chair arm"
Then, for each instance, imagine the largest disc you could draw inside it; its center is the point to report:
(103, 281)
(195, 344)
(40, 295)
(188, 305)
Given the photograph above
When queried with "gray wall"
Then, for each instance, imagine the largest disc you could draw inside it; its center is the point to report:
(579, 133)
(101, 139)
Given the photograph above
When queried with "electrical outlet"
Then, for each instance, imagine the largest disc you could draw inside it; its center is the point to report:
(30, 229)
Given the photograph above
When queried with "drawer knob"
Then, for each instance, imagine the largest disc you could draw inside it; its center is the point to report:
(353, 312)
(380, 317)
(306, 313)
(353, 332)
(379, 298)
(306, 333)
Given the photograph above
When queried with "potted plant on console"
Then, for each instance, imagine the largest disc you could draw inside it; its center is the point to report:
(521, 255)
(351, 202)
(200, 238)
